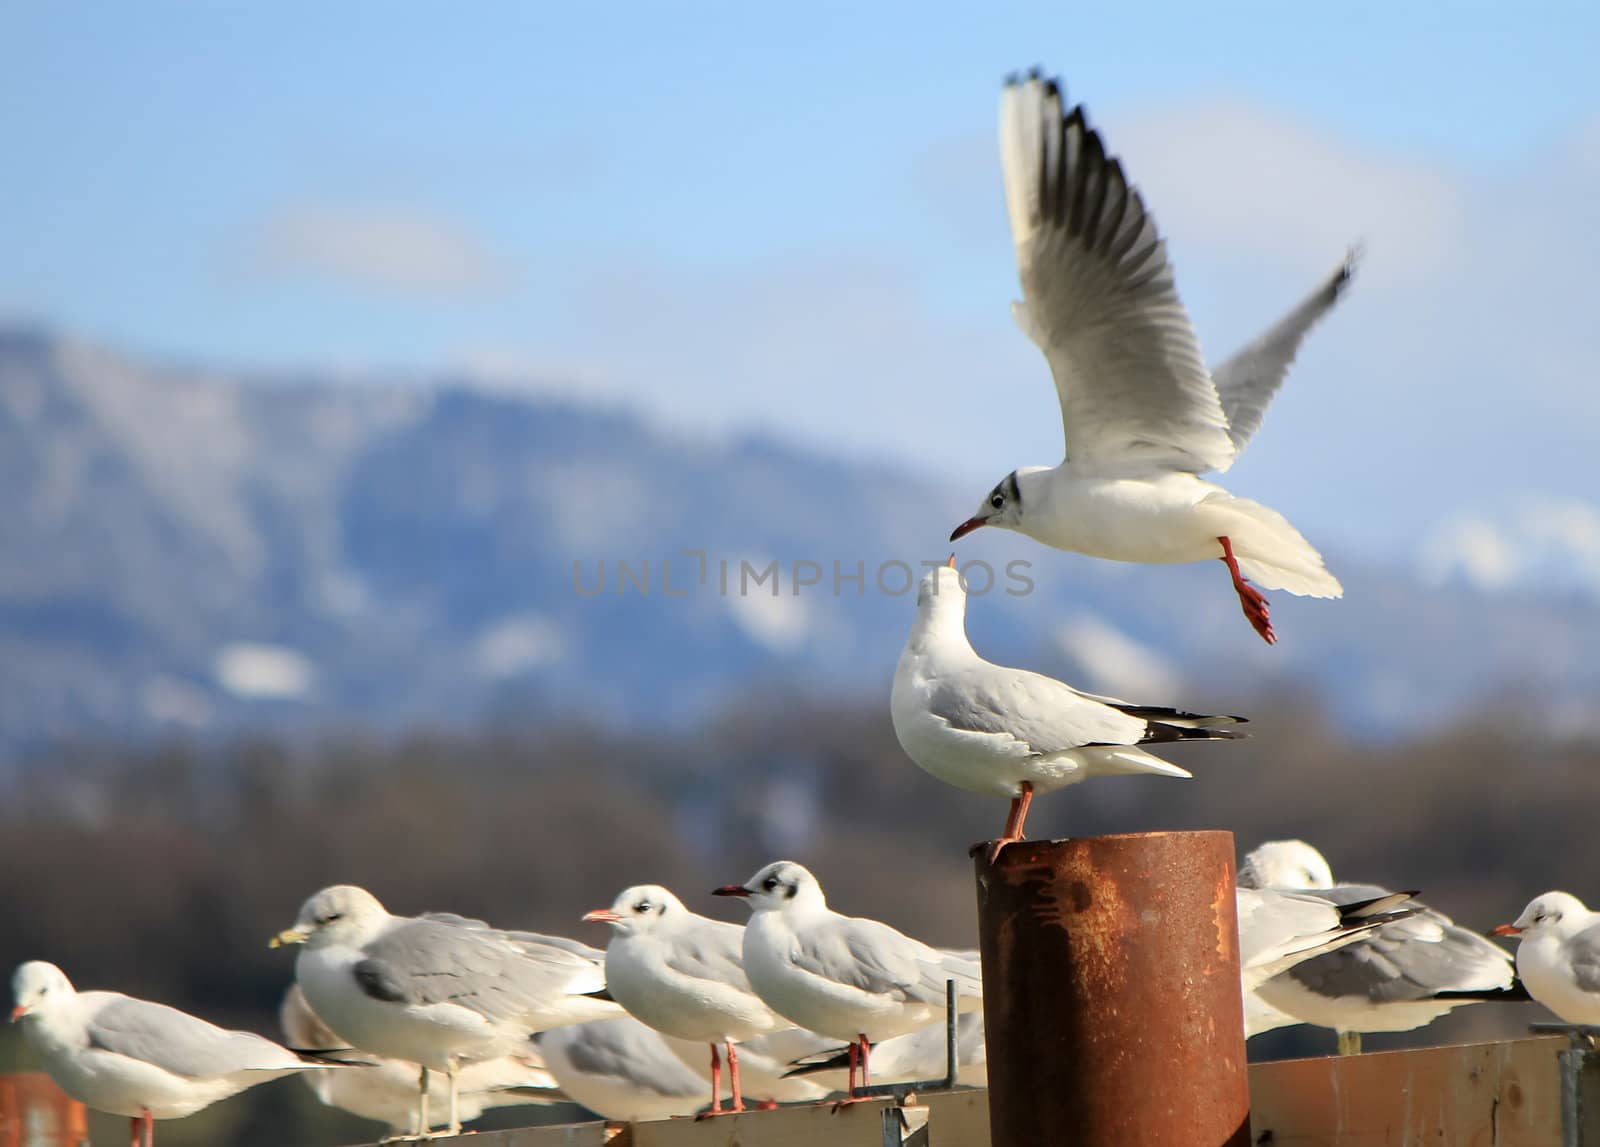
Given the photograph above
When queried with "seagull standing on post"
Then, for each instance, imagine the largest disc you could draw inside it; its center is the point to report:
(1012, 733)
(1143, 417)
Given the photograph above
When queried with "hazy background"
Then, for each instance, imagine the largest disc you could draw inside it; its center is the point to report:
(340, 349)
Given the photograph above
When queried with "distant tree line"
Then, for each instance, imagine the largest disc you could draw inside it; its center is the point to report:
(162, 870)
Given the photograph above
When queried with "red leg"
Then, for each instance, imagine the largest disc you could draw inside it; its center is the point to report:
(866, 1047)
(149, 1129)
(716, 1081)
(733, 1071)
(135, 1126)
(1014, 819)
(1251, 599)
(854, 1054)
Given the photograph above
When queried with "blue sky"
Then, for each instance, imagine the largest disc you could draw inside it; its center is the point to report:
(741, 216)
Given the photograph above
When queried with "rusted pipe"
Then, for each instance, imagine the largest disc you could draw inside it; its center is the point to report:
(34, 1112)
(1111, 992)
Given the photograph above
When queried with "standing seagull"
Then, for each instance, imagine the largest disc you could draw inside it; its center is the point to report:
(1142, 415)
(385, 1090)
(1558, 959)
(846, 977)
(1406, 974)
(1011, 733)
(681, 973)
(127, 1056)
(620, 1069)
(438, 989)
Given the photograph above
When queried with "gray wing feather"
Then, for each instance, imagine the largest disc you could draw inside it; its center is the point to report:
(1100, 297)
(874, 957)
(1410, 959)
(710, 950)
(623, 1048)
(1584, 949)
(431, 961)
(1044, 714)
(1248, 381)
(180, 1043)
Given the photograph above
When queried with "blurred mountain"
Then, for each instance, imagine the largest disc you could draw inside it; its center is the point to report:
(187, 549)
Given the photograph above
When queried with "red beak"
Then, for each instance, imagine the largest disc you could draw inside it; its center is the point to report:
(18, 1012)
(731, 890)
(952, 562)
(967, 527)
(1505, 930)
(601, 916)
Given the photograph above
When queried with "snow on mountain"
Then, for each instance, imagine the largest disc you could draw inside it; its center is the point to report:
(185, 549)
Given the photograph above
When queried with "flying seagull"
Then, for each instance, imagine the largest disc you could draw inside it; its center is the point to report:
(1143, 416)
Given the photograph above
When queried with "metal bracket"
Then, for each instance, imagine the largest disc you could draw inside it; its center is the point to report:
(899, 1091)
(905, 1127)
(1580, 1082)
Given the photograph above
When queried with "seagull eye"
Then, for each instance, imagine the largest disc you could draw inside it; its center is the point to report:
(770, 883)
(331, 917)
(642, 906)
(997, 501)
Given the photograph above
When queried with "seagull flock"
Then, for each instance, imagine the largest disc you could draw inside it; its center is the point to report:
(682, 1014)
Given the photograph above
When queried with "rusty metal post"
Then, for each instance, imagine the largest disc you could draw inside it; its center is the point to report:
(34, 1112)
(1111, 992)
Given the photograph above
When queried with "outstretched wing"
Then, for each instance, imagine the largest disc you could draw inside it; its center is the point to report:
(1100, 300)
(1248, 380)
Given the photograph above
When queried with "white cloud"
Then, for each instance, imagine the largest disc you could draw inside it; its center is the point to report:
(396, 249)
(1113, 663)
(1234, 175)
(258, 672)
(518, 643)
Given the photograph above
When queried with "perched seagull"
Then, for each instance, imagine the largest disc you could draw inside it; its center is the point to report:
(913, 1057)
(1406, 974)
(127, 1056)
(1558, 959)
(846, 977)
(385, 1090)
(1011, 733)
(437, 990)
(622, 1070)
(1278, 930)
(681, 973)
(1143, 417)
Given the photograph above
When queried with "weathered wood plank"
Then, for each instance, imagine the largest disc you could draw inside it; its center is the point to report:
(1504, 1094)
(1471, 1095)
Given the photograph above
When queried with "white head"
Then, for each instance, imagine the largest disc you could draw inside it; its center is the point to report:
(1548, 914)
(36, 987)
(1285, 864)
(1003, 506)
(640, 909)
(941, 596)
(781, 886)
(342, 914)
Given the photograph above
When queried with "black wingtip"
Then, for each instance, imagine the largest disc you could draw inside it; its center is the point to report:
(603, 995)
